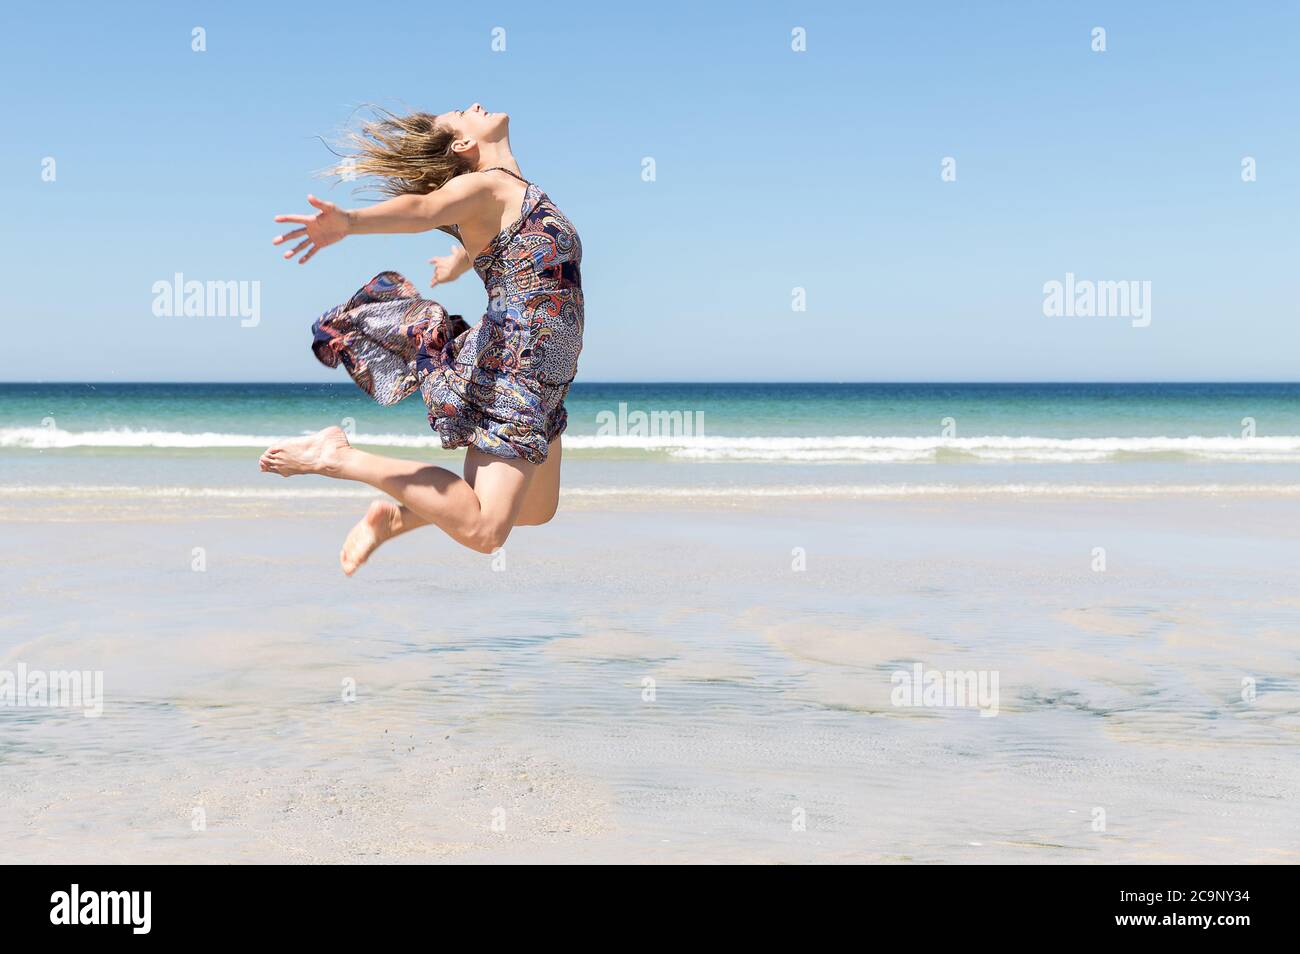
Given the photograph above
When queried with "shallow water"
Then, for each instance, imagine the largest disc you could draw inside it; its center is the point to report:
(519, 697)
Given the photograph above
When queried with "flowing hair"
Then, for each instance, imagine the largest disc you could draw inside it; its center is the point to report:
(410, 155)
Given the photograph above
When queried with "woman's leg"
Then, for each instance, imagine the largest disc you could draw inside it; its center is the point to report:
(478, 515)
(543, 496)
(385, 519)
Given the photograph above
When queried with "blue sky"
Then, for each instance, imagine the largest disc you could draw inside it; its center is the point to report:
(775, 170)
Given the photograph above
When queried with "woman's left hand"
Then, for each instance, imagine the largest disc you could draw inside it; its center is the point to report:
(449, 267)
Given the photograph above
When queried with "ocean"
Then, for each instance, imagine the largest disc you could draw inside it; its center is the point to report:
(706, 440)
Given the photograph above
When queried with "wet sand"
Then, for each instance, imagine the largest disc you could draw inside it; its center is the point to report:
(658, 683)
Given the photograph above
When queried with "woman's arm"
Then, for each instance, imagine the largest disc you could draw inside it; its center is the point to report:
(461, 198)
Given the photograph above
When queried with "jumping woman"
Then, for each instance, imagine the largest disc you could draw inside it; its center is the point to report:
(496, 389)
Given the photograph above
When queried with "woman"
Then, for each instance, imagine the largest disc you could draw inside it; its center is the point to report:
(496, 389)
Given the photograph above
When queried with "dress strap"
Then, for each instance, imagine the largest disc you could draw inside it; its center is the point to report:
(509, 173)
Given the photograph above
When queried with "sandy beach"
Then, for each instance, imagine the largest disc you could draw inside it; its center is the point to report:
(685, 680)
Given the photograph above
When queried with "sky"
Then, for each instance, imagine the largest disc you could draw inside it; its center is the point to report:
(775, 170)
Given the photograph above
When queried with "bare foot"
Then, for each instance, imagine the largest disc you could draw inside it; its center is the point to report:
(379, 523)
(318, 453)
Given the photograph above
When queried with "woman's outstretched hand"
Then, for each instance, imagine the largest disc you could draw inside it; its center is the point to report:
(329, 225)
(449, 267)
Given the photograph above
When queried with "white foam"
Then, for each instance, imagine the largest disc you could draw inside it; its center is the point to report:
(864, 449)
(52, 438)
(832, 449)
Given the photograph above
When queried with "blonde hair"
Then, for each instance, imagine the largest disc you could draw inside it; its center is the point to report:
(410, 155)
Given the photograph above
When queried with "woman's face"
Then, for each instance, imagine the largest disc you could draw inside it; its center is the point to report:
(475, 122)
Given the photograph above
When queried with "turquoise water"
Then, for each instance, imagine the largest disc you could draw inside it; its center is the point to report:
(829, 436)
(754, 410)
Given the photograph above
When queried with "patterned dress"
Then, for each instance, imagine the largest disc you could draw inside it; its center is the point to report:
(499, 385)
